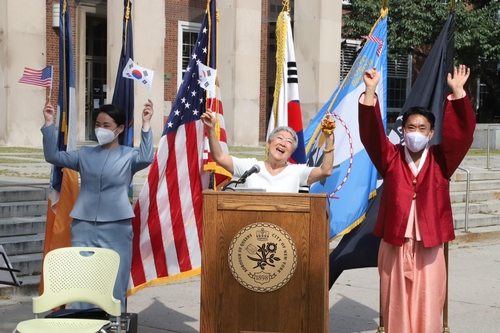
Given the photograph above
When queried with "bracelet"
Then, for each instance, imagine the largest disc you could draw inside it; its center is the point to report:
(326, 151)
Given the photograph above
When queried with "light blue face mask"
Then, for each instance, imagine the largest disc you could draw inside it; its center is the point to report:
(415, 141)
(104, 136)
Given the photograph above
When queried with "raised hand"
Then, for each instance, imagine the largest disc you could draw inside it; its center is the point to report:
(371, 78)
(328, 124)
(458, 79)
(208, 118)
(48, 113)
(147, 113)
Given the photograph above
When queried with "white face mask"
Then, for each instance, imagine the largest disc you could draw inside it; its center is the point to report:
(104, 136)
(415, 141)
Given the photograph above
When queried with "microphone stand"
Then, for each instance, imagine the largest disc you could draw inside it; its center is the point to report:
(242, 180)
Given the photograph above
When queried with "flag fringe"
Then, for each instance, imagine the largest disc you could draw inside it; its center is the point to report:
(212, 166)
(372, 195)
(165, 280)
(281, 32)
(352, 226)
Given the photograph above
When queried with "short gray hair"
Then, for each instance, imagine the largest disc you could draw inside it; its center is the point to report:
(287, 129)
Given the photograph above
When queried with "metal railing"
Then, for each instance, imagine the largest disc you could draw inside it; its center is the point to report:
(467, 192)
(488, 144)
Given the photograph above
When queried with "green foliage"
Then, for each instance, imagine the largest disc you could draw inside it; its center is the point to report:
(416, 23)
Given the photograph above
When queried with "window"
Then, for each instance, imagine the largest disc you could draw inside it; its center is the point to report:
(95, 70)
(188, 33)
(398, 82)
(348, 52)
(486, 105)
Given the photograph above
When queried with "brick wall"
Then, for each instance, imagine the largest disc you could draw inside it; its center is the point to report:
(53, 45)
(175, 11)
(270, 11)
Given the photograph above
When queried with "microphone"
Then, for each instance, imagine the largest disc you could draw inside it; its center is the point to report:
(246, 174)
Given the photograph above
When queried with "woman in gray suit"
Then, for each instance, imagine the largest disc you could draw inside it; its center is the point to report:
(102, 214)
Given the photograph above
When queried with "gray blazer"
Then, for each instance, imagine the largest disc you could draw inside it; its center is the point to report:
(105, 174)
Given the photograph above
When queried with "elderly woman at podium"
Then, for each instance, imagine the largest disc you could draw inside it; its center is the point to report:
(276, 173)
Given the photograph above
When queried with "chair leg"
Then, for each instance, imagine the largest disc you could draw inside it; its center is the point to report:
(119, 324)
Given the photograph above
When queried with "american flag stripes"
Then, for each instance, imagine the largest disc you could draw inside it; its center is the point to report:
(167, 226)
(37, 77)
(377, 40)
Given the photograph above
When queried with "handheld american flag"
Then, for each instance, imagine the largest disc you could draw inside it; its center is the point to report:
(37, 77)
(168, 213)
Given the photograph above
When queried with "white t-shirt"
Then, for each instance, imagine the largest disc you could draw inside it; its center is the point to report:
(289, 180)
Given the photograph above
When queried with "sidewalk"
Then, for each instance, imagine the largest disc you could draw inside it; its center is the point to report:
(474, 298)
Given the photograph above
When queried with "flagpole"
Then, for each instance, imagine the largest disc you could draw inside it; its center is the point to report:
(125, 32)
(381, 319)
(446, 329)
(51, 81)
(381, 328)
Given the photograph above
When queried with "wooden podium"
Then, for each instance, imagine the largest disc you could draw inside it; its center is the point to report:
(264, 263)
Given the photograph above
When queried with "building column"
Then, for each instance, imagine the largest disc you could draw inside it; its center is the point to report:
(317, 37)
(239, 69)
(22, 44)
(148, 24)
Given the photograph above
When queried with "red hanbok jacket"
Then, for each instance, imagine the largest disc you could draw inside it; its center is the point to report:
(430, 187)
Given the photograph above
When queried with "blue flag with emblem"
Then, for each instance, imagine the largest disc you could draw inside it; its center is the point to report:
(354, 178)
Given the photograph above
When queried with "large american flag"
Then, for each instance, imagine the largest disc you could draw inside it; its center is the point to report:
(37, 77)
(168, 214)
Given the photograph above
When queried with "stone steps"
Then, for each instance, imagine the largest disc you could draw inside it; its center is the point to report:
(476, 220)
(481, 207)
(24, 193)
(26, 208)
(475, 196)
(22, 225)
(24, 244)
(477, 185)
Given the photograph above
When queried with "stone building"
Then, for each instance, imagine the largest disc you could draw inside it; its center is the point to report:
(164, 31)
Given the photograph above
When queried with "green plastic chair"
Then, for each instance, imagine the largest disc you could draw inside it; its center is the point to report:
(76, 274)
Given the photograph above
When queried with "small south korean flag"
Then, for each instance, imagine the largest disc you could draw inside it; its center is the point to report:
(138, 73)
(207, 77)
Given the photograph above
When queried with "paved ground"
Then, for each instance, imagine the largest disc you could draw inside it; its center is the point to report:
(474, 298)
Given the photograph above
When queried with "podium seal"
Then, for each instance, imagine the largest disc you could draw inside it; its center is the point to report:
(262, 257)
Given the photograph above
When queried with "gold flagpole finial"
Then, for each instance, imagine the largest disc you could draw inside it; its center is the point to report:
(125, 33)
(127, 12)
(286, 5)
(452, 5)
(384, 4)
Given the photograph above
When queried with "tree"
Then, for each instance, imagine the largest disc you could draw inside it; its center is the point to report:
(415, 25)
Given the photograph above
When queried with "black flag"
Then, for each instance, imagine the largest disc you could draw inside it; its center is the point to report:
(123, 96)
(431, 87)
(359, 248)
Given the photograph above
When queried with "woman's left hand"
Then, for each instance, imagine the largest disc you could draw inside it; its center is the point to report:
(147, 113)
(328, 124)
